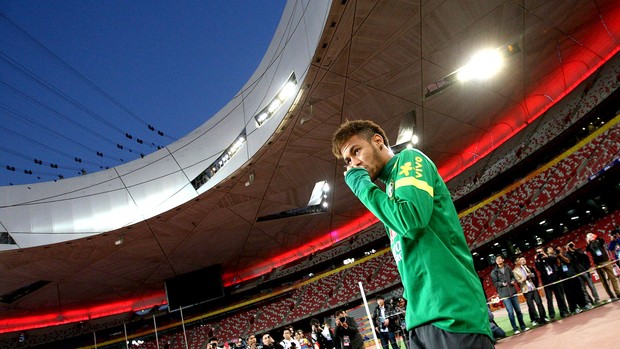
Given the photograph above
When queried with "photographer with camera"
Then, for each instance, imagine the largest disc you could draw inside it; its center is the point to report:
(213, 343)
(385, 324)
(267, 342)
(572, 288)
(347, 335)
(582, 264)
(323, 335)
(547, 266)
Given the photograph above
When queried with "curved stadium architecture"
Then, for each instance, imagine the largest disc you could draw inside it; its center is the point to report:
(235, 192)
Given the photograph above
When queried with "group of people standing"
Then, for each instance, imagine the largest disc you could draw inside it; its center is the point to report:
(564, 272)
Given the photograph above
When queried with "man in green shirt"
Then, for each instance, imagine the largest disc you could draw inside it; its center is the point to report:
(446, 305)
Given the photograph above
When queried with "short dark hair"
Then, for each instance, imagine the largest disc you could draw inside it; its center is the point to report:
(314, 321)
(363, 128)
(380, 297)
(213, 339)
(339, 311)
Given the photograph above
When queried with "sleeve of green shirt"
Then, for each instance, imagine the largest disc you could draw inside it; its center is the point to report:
(411, 206)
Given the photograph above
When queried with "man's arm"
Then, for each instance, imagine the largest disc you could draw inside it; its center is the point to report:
(412, 207)
(517, 274)
(511, 275)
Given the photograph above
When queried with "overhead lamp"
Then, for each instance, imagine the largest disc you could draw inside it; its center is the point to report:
(285, 93)
(222, 160)
(318, 203)
(481, 66)
(415, 139)
(407, 136)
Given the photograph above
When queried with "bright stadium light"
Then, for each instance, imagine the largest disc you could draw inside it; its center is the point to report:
(481, 66)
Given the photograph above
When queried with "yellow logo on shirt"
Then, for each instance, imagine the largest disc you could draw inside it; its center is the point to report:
(418, 167)
(404, 169)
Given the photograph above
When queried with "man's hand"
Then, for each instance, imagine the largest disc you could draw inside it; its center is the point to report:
(386, 322)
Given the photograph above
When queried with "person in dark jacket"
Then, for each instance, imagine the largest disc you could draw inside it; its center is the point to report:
(598, 250)
(323, 335)
(572, 288)
(346, 333)
(504, 282)
(547, 266)
(582, 266)
(385, 324)
(498, 332)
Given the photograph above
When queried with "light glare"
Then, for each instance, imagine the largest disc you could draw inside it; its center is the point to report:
(482, 65)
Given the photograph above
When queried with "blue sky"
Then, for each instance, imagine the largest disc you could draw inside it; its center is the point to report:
(76, 76)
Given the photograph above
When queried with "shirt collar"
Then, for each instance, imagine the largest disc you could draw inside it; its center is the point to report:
(387, 170)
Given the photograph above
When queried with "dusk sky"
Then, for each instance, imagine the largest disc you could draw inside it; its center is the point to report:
(77, 76)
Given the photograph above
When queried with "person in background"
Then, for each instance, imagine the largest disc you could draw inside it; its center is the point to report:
(323, 335)
(214, 343)
(288, 339)
(505, 282)
(304, 343)
(614, 245)
(598, 250)
(269, 343)
(385, 326)
(251, 342)
(498, 332)
(525, 278)
(582, 265)
(572, 288)
(548, 268)
(347, 336)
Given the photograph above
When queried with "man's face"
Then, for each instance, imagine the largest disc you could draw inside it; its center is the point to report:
(267, 340)
(380, 302)
(287, 334)
(523, 261)
(357, 152)
(499, 260)
(550, 251)
(213, 344)
(251, 340)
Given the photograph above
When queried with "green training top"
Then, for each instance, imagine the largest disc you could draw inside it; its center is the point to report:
(428, 244)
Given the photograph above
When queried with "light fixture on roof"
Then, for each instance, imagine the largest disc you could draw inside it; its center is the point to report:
(222, 160)
(286, 92)
(407, 137)
(542, 222)
(482, 65)
(318, 203)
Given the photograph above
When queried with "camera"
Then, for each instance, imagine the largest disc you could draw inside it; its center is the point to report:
(571, 245)
(342, 319)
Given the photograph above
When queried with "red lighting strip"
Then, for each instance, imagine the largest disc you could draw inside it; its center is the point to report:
(81, 314)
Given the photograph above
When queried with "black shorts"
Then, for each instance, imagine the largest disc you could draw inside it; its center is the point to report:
(431, 337)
